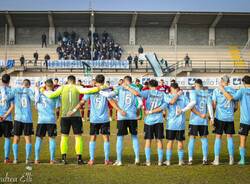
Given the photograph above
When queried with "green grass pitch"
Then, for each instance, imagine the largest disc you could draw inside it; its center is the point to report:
(129, 173)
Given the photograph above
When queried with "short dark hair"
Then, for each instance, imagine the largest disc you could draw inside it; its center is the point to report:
(153, 83)
(6, 78)
(246, 79)
(174, 85)
(128, 78)
(100, 79)
(56, 79)
(137, 80)
(172, 81)
(199, 81)
(146, 83)
(79, 80)
(72, 78)
(49, 82)
(26, 82)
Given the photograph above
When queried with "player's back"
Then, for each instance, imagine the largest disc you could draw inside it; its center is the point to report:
(23, 100)
(174, 121)
(224, 107)
(46, 109)
(69, 99)
(98, 109)
(202, 98)
(5, 104)
(245, 105)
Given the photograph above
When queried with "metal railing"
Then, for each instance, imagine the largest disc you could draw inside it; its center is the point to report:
(196, 65)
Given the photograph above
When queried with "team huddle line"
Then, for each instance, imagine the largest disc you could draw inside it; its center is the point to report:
(129, 100)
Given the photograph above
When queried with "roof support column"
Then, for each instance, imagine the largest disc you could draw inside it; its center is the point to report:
(132, 30)
(248, 38)
(173, 30)
(92, 22)
(11, 30)
(212, 34)
(52, 30)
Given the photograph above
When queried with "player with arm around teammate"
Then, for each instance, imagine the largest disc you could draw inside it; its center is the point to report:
(99, 120)
(175, 129)
(154, 127)
(46, 120)
(224, 120)
(243, 96)
(23, 124)
(6, 108)
(201, 103)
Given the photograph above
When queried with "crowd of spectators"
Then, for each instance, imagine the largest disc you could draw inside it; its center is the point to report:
(72, 46)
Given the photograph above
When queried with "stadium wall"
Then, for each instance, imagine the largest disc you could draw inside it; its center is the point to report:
(81, 31)
(192, 35)
(30, 35)
(231, 36)
(1, 35)
(119, 34)
(152, 35)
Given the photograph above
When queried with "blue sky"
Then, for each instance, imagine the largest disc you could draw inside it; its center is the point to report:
(127, 5)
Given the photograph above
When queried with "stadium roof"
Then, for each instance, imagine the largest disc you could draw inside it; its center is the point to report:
(242, 6)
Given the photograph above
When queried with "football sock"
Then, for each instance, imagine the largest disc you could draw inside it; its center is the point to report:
(204, 142)
(191, 148)
(168, 154)
(64, 144)
(52, 148)
(15, 151)
(106, 146)
(78, 145)
(242, 153)
(147, 153)
(37, 148)
(230, 146)
(136, 146)
(217, 147)
(92, 150)
(180, 154)
(119, 147)
(28, 151)
(6, 148)
(160, 154)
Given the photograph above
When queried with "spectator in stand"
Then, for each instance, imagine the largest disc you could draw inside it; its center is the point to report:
(140, 50)
(187, 60)
(136, 61)
(130, 59)
(22, 60)
(162, 87)
(46, 59)
(75, 47)
(138, 84)
(59, 38)
(44, 40)
(35, 55)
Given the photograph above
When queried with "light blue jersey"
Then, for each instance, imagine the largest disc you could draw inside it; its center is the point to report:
(154, 99)
(174, 121)
(224, 108)
(4, 103)
(127, 102)
(46, 108)
(243, 95)
(22, 101)
(99, 111)
(202, 100)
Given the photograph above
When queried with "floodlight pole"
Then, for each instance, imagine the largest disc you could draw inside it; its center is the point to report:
(175, 49)
(5, 43)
